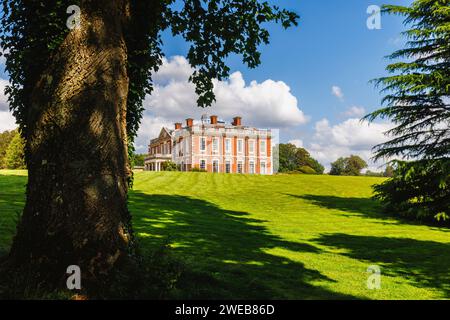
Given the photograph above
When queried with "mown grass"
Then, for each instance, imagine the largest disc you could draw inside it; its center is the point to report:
(12, 198)
(285, 236)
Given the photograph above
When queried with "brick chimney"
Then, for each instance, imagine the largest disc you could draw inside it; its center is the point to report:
(213, 119)
(237, 121)
(189, 122)
(178, 126)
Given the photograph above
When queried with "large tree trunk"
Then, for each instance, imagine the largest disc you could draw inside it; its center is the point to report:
(76, 207)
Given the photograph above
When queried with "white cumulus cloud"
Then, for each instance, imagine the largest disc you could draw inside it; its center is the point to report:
(2, 58)
(352, 136)
(4, 106)
(149, 129)
(296, 142)
(337, 92)
(7, 121)
(174, 69)
(355, 112)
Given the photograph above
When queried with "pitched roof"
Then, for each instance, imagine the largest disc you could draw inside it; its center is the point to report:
(162, 134)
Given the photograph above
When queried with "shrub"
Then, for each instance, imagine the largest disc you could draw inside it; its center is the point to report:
(291, 158)
(418, 190)
(137, 160)
(389, 171)
(307, 170)
(314, 164)
(15, 155)
(350, 166)
(169, 166)
(5, 140)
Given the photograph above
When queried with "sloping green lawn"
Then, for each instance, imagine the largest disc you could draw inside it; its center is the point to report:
(295, 237)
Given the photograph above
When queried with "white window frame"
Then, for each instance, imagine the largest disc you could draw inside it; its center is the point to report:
(201, 144)
(181, 148)
(251, 146)
(228, 162)
(261, 165)
(200, 164)
(251, 167)
(240, 143)
(215, 145)
(240, 163)
(262, 150)
(228, 146)
(186, 146)
(218, 166)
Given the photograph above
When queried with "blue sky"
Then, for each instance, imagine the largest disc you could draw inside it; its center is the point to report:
(331, 47)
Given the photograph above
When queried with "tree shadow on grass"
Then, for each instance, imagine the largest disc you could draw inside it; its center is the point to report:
(424, 263)
(352, 205)
(224, 251)
(363, 207)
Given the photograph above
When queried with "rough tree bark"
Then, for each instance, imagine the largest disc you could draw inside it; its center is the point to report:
(76, 206)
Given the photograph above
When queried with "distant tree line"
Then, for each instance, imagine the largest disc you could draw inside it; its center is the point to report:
(350, 166)
(353, 166)
(297, 160)
(137, 160)
(387, 173)
(12, 154)
(293, 159)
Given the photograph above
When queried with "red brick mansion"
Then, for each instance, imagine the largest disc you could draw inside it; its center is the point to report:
(213, 146)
